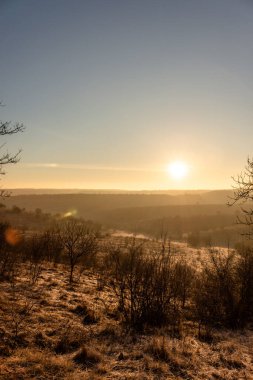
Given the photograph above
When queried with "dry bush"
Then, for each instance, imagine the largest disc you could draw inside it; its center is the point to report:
(40, 248)
(10, 257)
(33, 248)
(145, 286)
(34, 253)
(10, 260)
(215, 290)
(245, 280)
(224, 290)
(52, 246)
(183, 280)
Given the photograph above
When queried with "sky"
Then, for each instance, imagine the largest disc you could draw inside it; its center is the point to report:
(112, 92)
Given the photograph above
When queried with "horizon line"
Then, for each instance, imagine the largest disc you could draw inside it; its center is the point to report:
(113, 189)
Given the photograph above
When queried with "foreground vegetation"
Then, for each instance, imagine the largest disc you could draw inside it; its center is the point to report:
(127, 309)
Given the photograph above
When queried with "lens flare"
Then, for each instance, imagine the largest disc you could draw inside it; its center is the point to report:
(69, 214)
(12, 236)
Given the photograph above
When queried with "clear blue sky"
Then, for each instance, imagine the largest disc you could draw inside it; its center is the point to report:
(113, 91)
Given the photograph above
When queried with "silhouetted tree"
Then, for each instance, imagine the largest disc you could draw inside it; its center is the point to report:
(8, 128)
(243, 193)
(78, 240)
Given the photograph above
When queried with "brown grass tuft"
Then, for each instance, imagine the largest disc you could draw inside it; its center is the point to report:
(89, 316)
(87, 357)
(173, 352)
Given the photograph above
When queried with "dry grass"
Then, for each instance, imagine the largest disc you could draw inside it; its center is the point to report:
(87, 357)
(35, 364)
(73, 333)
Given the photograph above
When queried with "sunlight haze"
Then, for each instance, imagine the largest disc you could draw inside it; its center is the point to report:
(178, 170)
(111, 92)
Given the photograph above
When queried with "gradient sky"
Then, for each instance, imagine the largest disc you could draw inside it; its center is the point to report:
(113, 91)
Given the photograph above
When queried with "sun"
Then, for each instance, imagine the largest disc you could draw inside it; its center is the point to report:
(177, 170)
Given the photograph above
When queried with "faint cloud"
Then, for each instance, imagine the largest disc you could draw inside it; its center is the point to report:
(40, 165)
(89, 167)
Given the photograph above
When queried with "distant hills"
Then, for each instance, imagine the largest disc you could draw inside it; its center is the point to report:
(31, 191)
(205, 213)
(91, 203)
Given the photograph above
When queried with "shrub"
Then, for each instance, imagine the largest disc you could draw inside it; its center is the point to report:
(9, 252)
(52, 246)
(244, 272)
(34, 252)
(143, 285)
(182, 284)
(224, 293)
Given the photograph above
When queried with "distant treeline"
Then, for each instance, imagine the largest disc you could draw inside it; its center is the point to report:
(199, 225)
(92, 205)
(191, 219)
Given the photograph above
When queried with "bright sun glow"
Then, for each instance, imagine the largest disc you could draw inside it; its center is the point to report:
(177, 170)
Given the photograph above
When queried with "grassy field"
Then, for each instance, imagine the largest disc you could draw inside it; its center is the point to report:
(53, 330)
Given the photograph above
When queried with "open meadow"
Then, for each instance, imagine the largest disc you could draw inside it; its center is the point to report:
(54, 329)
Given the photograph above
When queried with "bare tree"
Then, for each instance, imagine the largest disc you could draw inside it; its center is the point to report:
(8, 128)
(78, 240)
(243, 194)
